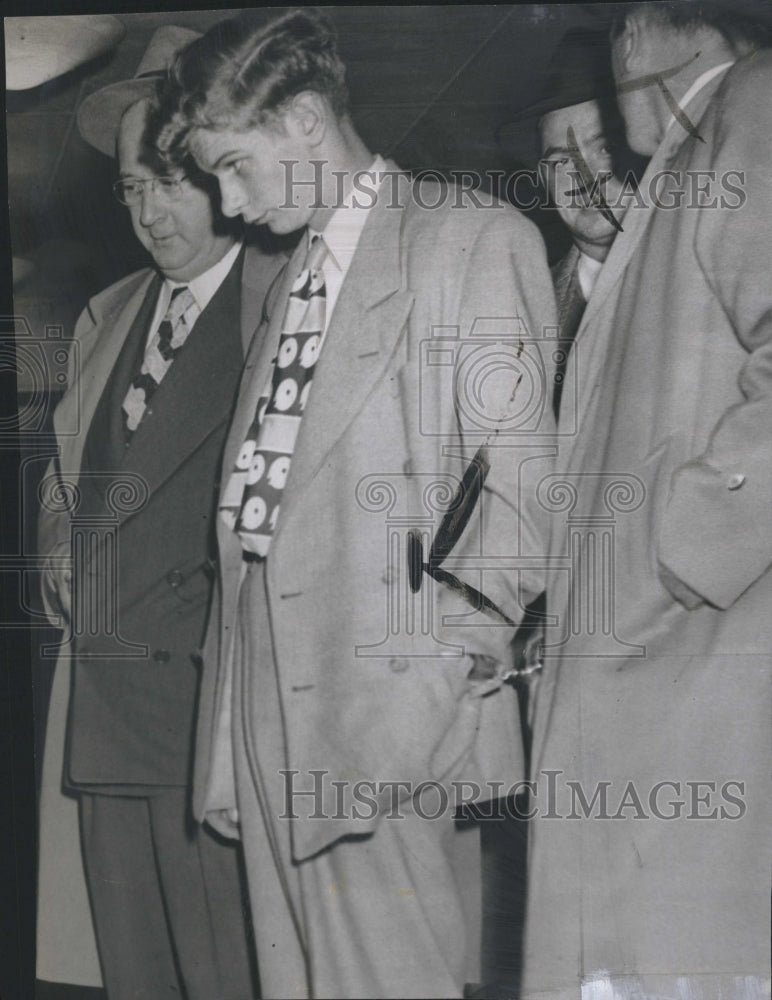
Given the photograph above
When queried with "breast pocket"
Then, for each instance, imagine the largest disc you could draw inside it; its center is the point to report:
(191, 585)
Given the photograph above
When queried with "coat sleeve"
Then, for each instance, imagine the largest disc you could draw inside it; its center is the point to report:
(507, 315)
(718, 508)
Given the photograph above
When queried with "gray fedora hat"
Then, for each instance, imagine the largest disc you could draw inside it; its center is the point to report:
(99, 115)
(579, 71)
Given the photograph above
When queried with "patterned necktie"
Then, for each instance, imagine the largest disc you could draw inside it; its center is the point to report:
(163, 348)
(252, 497)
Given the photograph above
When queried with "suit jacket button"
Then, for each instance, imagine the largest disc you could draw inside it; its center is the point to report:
(162, 656)
(735, 481)
(174, 578)
(398, 664)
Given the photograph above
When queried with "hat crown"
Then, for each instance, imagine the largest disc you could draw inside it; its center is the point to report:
(100, 113)
(580, 69)
(164, 44)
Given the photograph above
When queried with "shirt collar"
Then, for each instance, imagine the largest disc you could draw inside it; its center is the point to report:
(342, 232)
(587, 269)
(203, 287)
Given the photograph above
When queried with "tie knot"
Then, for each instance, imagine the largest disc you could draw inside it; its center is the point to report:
(181, 300)
(317, 251)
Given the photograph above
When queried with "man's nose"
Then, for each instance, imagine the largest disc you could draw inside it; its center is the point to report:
(232, 197)
(151, 208)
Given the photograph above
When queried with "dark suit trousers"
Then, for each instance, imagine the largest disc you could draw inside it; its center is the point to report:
(166, 899)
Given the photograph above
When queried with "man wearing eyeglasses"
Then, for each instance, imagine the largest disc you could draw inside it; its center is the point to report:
(155, 376)
(575, 137)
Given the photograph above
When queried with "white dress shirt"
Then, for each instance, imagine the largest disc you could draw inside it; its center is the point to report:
(587, 270)
(202, 288)
(341, 236)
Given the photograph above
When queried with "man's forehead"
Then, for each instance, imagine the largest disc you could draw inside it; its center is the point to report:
(208, 146)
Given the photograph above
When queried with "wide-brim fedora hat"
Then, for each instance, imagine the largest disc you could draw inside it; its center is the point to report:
(579, 71)
(99, 115)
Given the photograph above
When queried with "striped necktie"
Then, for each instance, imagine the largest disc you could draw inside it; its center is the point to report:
(163, 348)
(253, 494)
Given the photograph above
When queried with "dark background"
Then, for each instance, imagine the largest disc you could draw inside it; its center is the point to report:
(429, 85)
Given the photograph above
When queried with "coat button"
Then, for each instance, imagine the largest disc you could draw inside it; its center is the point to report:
(398, 664)
(735, 481)
(174, 578)
(162, 656)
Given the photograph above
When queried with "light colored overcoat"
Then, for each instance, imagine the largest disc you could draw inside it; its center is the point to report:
(658, 670)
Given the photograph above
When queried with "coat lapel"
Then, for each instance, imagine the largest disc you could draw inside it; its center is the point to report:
(363, 332)
(261, 270)
(99, 350)
(636, 218)
(195, 397)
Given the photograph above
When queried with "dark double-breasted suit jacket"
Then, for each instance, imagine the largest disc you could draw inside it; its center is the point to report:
(133, 668)
(135, 677)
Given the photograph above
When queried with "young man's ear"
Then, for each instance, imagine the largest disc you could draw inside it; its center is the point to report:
(308, 116)
(627, 45)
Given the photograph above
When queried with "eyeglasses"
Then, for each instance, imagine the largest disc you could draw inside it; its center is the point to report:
(129, 190)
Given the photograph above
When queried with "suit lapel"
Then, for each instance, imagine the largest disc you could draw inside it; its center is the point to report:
(568, 293)
(261, 270)
(563, 275)
(258, 366)
(363, 332)
(196, 396)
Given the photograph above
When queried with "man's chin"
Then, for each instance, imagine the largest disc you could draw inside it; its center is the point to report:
(597, 230)
(281, 225)
(167, 256)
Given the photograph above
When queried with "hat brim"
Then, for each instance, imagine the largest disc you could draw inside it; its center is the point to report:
(99, 115)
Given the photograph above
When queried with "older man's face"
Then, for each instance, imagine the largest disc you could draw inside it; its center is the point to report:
(559, 168)
(180, 230)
